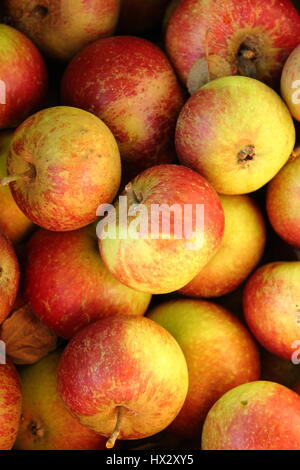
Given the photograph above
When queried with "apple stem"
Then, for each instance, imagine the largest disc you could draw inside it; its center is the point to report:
(11, 179)
(295, 153)
(131, 193)
(112, 439)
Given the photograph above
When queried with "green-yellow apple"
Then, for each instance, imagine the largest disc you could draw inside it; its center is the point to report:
(125, 377)
(278, 370)
(139, 99)
(46, 423)
(272, 307)
(290, 83)
(255, 416)
(68, 286)
(62, 27)
(283, 202)
(23, 77)
(9, 277)
(10, 405)
(226, 134)
(245, 37)
(219, 351)
(174, 243)
(13, 223)
(239, 253)
(63, 163)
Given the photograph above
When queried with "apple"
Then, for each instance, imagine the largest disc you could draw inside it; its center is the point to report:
(290, 83)
(124, 377)
(283, 202)
(10, 405)
(255, 416)
(68, 286)
(249, 37)
(23, 77)
(62, 27)
(219, 351)
(226, 134)
(46, 423)
(138, 17)
(128, 83)
(279, 370)
(9, 277)
(13, 223)
(169, 255)
(272, 307)
(63, 163)
(238, 254)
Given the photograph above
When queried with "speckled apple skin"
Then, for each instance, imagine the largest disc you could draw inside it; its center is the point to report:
(129, 83)
(256, 416)
(219, 351)
(224, 118)
(74, 166)
(24, 74)
(67, 26)
(10, 405)
(271, 307)
(164, 265)
(68, 286)
(9, 277)
(43, 408)
(129, 362)
(223, 25)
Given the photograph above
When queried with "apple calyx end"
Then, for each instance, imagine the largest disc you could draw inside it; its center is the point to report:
(110, 443)
(36, 429)
(246, 155)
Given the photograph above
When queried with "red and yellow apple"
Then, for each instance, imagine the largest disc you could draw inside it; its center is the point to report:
(283, 202)
(10, 405)
(9, 277)
(272, 307)
(248, 37)
(238, 254)
(255, 416)
(68, 286)
(125, 377)
(13, 223)
(62, 27)
(219, 351)
(46, 423)
(290, 83)
(225, 133)
(63, 163)
(23, 77)
(174, 243)
(128, 83)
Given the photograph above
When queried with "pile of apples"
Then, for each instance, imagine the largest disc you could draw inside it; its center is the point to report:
(187, 344)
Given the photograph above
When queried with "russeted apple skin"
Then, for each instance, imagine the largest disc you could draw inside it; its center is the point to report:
(68, 286)
(219, 351)
(46, 423)
(290, 76)
(139, 98)
(162, 265)
(283, 202)
(221, 27)
(62, 27)
(73, 166)
(223, 122)
(271, 306)
(9, 277)
(128, 362)
(24, 75)
(10, 405)
(259, 415)
(13, 223)
(241, 249)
